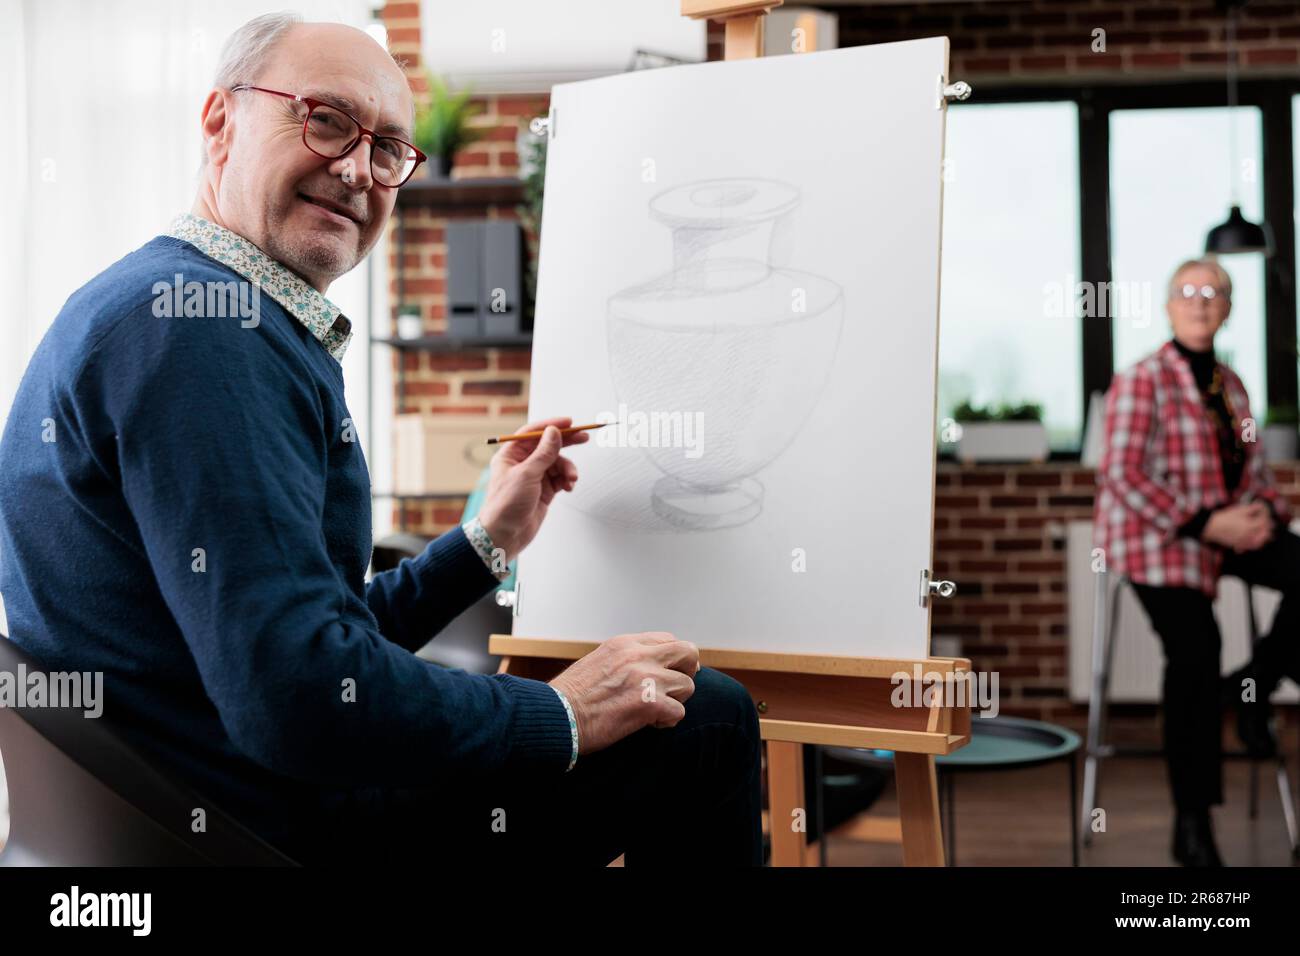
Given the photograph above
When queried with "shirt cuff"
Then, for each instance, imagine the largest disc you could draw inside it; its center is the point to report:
(493, 557)
(573, 728)
(1193, 527)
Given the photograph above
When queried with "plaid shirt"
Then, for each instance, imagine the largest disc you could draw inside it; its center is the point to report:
(1161, 465)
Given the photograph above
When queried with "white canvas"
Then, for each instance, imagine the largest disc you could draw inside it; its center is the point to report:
(753, 248)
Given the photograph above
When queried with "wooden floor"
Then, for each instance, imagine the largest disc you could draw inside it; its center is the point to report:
(1021, 818)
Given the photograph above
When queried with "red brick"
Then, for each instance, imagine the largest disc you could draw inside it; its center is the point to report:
(1155, 14)
(988, 64)
(422, 236)
(1270, 57)
(1013, 501)
(1016, 587)
(515, 361)
(1010, 629)
(958, 544)
(427, 286)
(1044, 608)
(457, 361)
(523, 106)
(1017, 544)
(493, 388)
(1269, 11)
(404, 36)
(976, 522)
(981, 566)
(1039, 479)
(426, 388)
(1143, 59)
(956, 501)
(1043, 565)
(1054, 63)
(459, 409)
(502, 133)
(1042, 650)
(1183, 36)
(983, 479)
(400, 11)
(1069, 501)
(1089, 62)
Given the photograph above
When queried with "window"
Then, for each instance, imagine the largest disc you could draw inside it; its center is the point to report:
(1170, 184)
(1008, 331)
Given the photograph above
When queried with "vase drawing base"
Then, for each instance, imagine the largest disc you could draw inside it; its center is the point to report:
(696, 508)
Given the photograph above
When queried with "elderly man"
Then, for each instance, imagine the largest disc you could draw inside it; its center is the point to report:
(185, 508)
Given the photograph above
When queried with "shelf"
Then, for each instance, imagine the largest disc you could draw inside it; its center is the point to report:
(459, 193)
(448, 343)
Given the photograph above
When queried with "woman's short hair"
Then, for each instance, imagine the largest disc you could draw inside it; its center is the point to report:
(1205, 262)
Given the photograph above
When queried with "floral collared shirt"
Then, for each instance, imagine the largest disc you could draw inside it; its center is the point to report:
(322, 317)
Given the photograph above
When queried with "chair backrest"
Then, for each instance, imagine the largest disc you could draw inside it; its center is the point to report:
(80, 795)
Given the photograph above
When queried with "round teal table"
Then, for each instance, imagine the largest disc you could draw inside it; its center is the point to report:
(996, 744)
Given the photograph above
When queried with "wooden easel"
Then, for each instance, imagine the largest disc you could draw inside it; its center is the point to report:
(807, 698)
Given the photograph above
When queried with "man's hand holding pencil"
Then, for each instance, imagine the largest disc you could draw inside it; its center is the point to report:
(526, 474)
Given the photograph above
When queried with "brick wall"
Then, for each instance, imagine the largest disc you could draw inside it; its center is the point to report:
(487, 382)
(1051, 40)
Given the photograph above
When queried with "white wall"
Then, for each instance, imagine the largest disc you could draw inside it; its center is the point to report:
(520, 46)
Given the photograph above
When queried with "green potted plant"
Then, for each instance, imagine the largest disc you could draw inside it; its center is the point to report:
(1004, 433)
(442, 125)
(1281, 441)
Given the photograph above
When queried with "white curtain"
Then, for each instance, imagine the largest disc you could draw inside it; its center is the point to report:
(100, 147)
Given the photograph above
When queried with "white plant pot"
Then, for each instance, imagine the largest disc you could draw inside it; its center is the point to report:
(1281, 442)
(1002, 441)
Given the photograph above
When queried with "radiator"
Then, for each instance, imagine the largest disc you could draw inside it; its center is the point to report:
(1138, 661)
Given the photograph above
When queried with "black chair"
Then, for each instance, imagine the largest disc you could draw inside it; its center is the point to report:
(80, 795)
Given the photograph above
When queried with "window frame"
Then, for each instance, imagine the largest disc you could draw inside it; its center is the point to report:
(1096, 103)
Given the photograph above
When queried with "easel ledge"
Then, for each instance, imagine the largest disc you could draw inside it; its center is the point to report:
(826, 700)
(805, 698)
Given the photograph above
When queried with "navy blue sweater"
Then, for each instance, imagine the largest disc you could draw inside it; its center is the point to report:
(234, 663)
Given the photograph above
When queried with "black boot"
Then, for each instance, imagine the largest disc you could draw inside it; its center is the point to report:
(1254, 718)
(1194, 839)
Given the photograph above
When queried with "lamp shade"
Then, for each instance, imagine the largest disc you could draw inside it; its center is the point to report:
(1238, 234)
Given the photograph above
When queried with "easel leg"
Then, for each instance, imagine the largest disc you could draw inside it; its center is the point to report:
(785, 794)
(918, 809)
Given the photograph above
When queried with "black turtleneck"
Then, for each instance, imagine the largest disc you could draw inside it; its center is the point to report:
(1232, 454)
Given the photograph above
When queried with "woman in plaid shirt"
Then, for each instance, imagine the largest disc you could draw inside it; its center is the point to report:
(1184, 497)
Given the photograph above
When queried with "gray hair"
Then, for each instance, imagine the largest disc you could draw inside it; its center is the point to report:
(247, 49)
(1205, 262)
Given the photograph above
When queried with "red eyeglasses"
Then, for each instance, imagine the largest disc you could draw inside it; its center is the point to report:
(329, 132)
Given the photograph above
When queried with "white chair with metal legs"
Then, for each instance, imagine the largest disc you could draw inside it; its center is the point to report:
(1105, 626)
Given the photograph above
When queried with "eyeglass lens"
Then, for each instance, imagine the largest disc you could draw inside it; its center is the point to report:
(332, 133)
(1207, 292)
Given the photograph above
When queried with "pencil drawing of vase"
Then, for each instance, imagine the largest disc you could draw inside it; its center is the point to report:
(728, 332)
